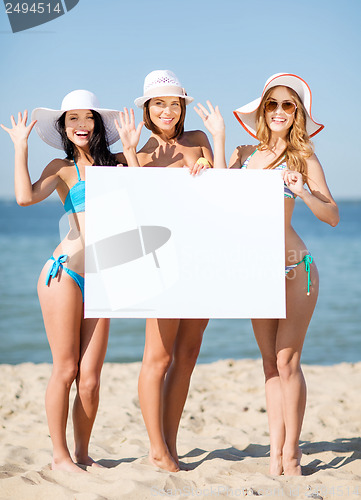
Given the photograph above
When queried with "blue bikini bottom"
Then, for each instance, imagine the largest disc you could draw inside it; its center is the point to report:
(58, 263)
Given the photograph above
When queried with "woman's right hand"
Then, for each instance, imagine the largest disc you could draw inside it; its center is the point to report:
(20, 131)
(128, 133)
(212, 119)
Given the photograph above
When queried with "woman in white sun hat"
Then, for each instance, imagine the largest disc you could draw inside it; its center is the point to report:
(282, 122)
(171, 345)
(84, 131)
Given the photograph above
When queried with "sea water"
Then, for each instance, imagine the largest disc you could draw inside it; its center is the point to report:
(29, 235)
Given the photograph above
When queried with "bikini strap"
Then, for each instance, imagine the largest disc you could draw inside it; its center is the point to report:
(245, 163)
(250, 156)
(282, 162)
(77, 169)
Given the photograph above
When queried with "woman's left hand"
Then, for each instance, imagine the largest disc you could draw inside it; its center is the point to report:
(212, 119)
(200, 165)
(128, 133)
(294, 181)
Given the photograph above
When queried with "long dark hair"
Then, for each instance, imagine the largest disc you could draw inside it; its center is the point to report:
(98, 145)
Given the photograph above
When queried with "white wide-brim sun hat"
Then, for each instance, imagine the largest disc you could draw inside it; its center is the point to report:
(77, 99)
(162, 83)
(247, 115)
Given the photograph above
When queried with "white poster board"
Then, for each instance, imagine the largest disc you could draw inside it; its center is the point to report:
(161, 243)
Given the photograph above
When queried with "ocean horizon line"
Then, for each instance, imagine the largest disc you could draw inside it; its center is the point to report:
(54, 199)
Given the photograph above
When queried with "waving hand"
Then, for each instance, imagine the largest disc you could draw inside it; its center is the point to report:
(213, 121)
(20, 131)
(128, 133)
(212, 118)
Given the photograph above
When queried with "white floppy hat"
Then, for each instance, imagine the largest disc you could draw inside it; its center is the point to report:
(247, 114)
(78, 99)
(161, 83)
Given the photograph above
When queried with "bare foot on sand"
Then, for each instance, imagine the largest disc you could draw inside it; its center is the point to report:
(276, 467)
(66, 465)
(292, 464)
(163, 461)
(173, 453)
(88, 462)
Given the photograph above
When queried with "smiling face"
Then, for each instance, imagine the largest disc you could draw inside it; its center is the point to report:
(278, 121)
(165, 112)
(79, 126)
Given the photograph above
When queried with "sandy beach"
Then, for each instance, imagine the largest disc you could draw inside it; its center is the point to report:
(223, 438)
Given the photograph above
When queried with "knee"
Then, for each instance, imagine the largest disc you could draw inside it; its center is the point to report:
(88, 386)
(65, 373)
(157, 365)
(287, 365)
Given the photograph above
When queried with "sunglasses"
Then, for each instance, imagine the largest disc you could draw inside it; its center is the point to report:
(288, 107)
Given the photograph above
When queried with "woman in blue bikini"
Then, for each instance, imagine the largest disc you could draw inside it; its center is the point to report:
(78, 345)
(281, 120)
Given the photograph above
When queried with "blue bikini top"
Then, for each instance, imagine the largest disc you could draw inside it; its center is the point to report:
(287, 191)
(75, 199)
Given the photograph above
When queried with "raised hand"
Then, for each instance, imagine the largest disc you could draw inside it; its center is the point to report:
(20, 131)
(212, 118)
(128, 133)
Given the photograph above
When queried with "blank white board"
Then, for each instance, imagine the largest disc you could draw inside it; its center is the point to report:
(161, 243)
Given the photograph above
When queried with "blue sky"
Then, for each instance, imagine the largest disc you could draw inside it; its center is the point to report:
(223, 51)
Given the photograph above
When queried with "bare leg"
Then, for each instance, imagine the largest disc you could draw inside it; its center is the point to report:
(290, 338)
(93, 346)
(185, 354)
(160, 336)
(265, 332)
(62, 308)
(281, 343)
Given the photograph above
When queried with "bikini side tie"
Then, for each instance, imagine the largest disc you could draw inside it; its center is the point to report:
(308, 260)
(53, 271)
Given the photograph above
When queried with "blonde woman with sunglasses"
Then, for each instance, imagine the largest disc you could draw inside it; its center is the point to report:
(281, 121)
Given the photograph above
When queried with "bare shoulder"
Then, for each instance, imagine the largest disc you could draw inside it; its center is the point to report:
(195, 138)
(53, 177)
(150, 146)
(315, 175)
(240, 154)
(56, 165)
(245, 150)
(313, 162)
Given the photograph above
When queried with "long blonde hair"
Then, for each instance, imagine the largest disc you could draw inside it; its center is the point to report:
(299, 146)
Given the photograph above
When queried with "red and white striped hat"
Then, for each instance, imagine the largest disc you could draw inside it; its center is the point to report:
(246, 115)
